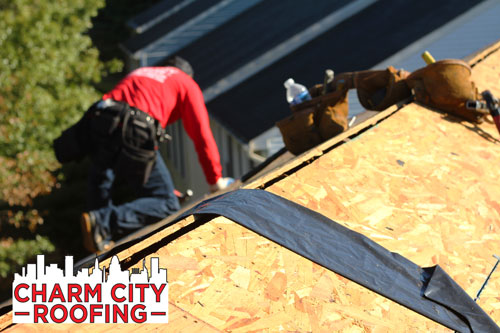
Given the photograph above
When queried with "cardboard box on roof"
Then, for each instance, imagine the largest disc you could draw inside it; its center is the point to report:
(419, 183)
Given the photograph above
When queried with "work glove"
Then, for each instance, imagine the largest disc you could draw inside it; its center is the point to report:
(221, 184)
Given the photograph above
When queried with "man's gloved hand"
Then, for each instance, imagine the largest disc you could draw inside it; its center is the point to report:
(221, 184)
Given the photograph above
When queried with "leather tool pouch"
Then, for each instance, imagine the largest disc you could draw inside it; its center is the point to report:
(314, 121)
(377, 89)
(447, 85)
(299, 131)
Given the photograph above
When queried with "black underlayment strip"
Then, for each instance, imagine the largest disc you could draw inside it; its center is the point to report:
(428, 291)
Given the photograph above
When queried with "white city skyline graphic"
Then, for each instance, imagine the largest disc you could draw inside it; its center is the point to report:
(39, 272)
(49, 294)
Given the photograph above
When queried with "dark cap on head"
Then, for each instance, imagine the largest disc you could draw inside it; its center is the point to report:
(180, 63)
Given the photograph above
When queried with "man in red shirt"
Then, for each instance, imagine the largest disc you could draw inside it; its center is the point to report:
(149, 97)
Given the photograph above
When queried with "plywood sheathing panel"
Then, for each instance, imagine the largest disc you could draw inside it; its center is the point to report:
(490, 77)
(420, 184)
(226, 277)
(5, 320)
(238, 281)
(317, 151)
(234, 280)
(486, 73)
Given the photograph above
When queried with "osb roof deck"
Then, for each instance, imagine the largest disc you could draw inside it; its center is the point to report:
(419, 183)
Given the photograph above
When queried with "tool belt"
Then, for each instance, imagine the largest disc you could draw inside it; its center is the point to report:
(116, 136)
(314, 121)
(377, 89)
(447, 85)
(125, 139)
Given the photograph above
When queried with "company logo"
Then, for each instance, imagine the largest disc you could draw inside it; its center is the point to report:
(49, 295)
(159, 74)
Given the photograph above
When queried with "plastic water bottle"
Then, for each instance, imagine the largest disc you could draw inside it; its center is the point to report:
(296, 93)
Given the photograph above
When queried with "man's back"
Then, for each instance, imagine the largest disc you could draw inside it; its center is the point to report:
(161, 92)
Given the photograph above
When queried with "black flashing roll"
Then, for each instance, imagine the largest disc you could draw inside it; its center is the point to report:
(428, 291)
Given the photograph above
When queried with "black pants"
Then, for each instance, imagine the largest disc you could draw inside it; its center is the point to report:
(124, 150)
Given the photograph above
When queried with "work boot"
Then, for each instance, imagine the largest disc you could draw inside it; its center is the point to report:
(92, 238)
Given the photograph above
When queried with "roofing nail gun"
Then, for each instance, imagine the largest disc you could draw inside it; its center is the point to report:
(490, 103)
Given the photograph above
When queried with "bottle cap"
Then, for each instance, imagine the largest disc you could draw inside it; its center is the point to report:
(289, 82)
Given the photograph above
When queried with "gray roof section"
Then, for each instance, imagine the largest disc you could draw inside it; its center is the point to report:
(469, 32)
(155, 14)
(242, 59)
(358, 43)
(195, 28)
(286, 47)
(172, 20)
(270, 26)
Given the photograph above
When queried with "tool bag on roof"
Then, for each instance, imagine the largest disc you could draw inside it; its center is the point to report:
(377, 89)
(315, 120)
(447, 85)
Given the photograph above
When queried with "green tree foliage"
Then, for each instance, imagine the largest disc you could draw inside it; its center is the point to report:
(48, 68)
(9, 252)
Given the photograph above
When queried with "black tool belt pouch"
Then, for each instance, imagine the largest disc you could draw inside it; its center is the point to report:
(125, 139)
(137, 155)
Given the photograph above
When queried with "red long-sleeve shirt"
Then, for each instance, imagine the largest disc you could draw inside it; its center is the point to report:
(168, 94)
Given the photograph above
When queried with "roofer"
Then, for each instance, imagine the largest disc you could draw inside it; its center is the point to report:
(121, 133)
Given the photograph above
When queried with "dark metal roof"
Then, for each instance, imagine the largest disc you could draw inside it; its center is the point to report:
(467, 33)
(251, 34)
(470, 32)
(186, 13)
(156, 14)
(358, 43)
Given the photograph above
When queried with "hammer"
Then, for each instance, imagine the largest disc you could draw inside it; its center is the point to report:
(493, 106)
(490, 103)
